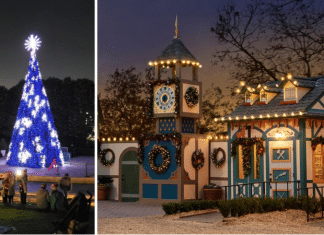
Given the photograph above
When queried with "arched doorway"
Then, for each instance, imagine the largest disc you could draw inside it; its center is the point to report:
(129, 176)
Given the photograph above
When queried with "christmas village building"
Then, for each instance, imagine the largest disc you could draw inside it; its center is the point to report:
(276, 136)
(273, 147)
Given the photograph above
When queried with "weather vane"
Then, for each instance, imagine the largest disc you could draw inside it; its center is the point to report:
(32, 44)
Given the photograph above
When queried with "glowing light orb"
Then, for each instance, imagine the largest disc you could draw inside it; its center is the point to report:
(32, 43)
(18, 172)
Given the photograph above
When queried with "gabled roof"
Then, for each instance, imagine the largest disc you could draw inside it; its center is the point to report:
(176, 51)
(300, 82)
(274, 106)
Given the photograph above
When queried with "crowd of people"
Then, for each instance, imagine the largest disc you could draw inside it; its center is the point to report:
(54, 201)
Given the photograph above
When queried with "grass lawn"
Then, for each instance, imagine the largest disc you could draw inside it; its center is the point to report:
(28, 219)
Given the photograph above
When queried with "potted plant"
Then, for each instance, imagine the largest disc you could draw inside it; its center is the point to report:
(212, 192)
(104, 186)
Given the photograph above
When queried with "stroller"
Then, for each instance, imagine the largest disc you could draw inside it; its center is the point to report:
(77, 217)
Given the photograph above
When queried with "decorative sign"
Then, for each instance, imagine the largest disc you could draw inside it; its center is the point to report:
(280, 154)
(281, 132)
(281, 174)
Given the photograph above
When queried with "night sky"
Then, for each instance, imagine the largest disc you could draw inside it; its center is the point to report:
(132, 33)
(66, 29)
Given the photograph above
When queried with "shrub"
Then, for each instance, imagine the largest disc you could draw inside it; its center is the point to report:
(170, 208)
(224, 208)
(291, 203)
(185, 206)
(242, 207)
(233, 205)
(313, 205)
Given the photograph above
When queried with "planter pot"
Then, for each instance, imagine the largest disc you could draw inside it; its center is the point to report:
(103, 192)
(213, 194)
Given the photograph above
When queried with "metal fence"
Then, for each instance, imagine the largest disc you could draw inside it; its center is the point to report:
(308, 206)
(249, 188)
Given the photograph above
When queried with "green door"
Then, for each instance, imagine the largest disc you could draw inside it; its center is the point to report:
(130, 177)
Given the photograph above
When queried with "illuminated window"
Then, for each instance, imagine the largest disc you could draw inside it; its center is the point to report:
(248, 97)
(263, 96)
(318, 164)
(290, 93)
(240, 168)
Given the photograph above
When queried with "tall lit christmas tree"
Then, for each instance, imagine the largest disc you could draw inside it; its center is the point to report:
(34, 141)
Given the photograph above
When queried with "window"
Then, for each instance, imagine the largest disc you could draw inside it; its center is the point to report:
(290, 93)
(263, 96)
(318, 164)
(248, 97)
(240, 168)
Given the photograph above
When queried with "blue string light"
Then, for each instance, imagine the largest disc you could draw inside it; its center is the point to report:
(34, 141)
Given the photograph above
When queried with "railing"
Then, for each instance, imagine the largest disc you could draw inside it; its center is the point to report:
(250, 186)
(314, 196)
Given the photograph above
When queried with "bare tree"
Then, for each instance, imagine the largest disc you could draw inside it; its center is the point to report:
(268, 39)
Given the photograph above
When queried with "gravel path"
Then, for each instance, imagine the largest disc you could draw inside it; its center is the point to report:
(291, 221)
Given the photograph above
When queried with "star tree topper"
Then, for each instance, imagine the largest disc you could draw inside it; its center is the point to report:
(32, 44)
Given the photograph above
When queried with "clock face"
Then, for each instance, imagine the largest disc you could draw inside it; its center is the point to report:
(164, 98)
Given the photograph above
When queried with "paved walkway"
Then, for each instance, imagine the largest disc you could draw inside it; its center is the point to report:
(112, 209)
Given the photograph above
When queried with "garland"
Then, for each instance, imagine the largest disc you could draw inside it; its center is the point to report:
(175, 137)
(166, 159)
(197, 159)
(175, 81)
(191, 96)
(102, 157)
(247, 144)
(213, 156)
(316, 141)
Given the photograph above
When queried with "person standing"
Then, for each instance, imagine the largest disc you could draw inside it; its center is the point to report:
(11, 187)
(43, 198)
(65, 184)
(23, 186)
(5, 188)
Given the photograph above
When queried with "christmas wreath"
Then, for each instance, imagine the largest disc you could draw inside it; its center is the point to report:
(197, 159)
(247, 144)
(166, 159)
(175, 138)
(218, 163)
(192, 96)
(102, 157)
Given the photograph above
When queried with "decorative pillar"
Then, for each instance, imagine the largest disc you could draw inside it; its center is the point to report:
(157, 72)
(178, 69)
(303, 166)
(194, 73)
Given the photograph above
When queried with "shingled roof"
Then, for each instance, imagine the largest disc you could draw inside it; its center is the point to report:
(176, 50)
(274, 106)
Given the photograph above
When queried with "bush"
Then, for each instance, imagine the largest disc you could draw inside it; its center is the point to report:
(224, 208)
(314, 205)
(185, 206)
(233, 205)
(242, 207)
(170, 208)
(291, 203)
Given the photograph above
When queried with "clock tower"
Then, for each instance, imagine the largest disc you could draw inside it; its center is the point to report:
(170, 168)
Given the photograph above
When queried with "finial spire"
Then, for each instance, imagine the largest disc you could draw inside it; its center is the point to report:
(176, 28)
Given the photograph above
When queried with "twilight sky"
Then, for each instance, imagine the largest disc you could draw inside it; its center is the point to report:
(132, 33)
(66, 29)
